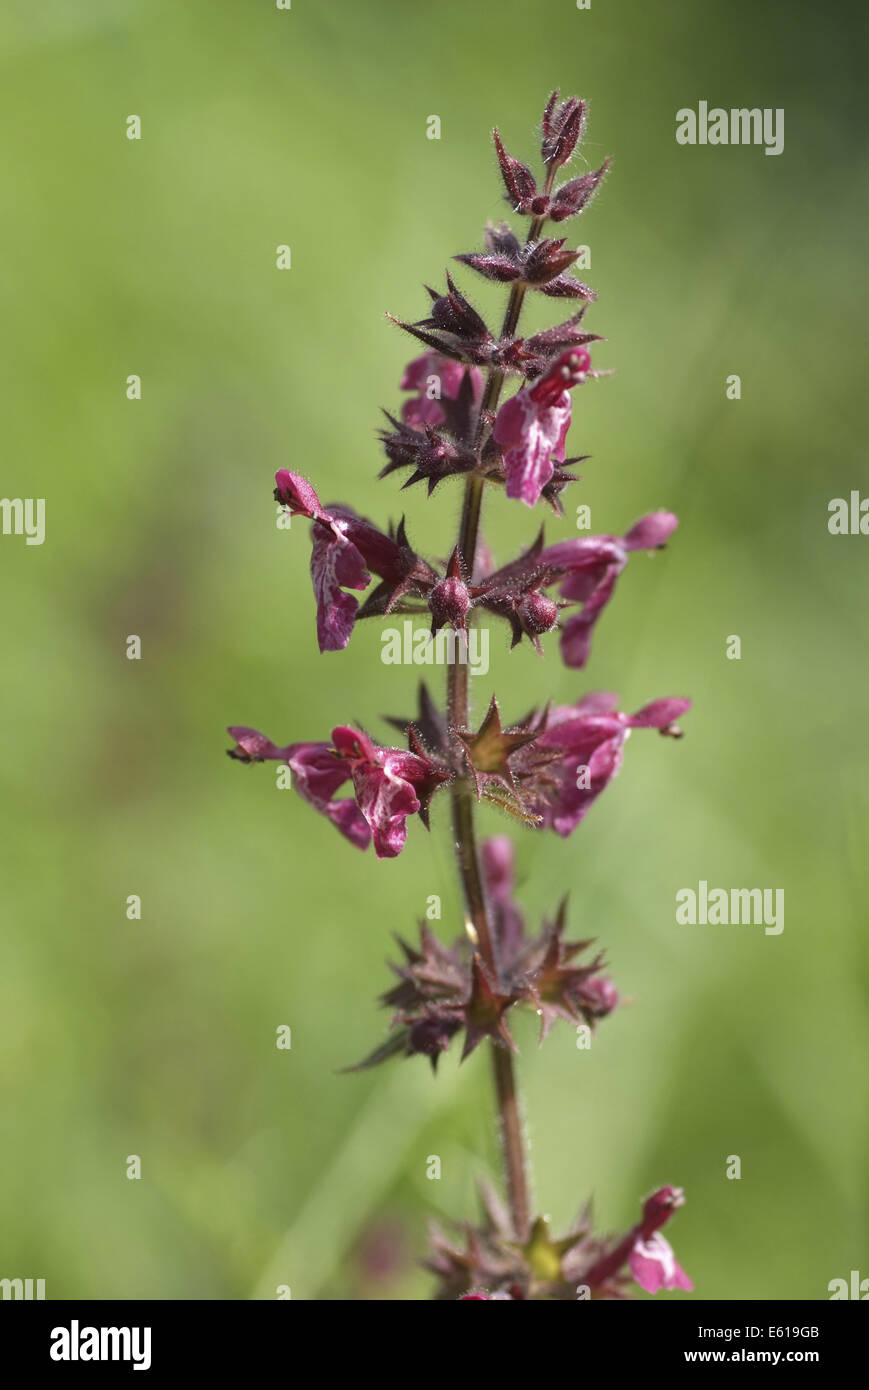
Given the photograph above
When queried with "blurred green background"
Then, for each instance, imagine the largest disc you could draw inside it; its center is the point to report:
(157, 257)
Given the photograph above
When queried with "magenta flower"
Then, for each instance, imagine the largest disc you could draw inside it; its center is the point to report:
(390, 785)
(651, 1260)
(345, 548)
(422, 409)
(649, 1256)
(316, 775)
(655, 1267)
(589, 567)
(254, 747)
(533, 424)
(587, 740)
(583, 569)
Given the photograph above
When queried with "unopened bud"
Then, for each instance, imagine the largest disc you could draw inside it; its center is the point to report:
(537, 613)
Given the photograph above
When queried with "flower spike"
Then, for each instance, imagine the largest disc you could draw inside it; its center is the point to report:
(485, 409)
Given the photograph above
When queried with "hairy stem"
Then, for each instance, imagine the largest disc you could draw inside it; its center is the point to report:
(468, 860)
(464, 835)
(512, 1144)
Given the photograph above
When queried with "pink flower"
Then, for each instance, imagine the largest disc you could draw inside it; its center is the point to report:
(345, 548)
(651, 1260)
(655, 1267)
(422, 410)
(589, 739)
(649, 1256)
(533, 424)
(590, 567)
(390, 785)
(316, 775)
(254, 747)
